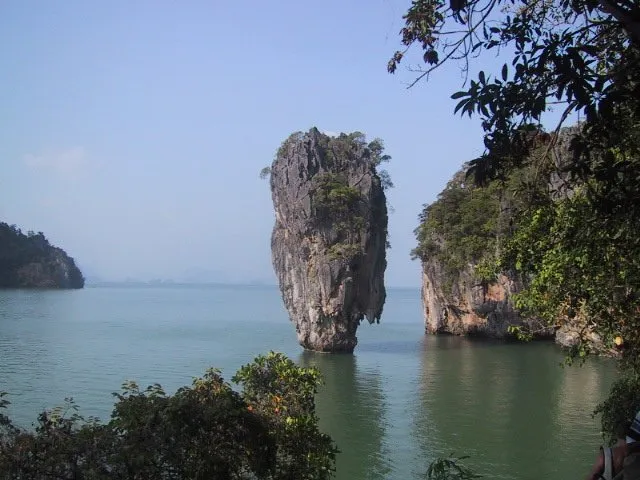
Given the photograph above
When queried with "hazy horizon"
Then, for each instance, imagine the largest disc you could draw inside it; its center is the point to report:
(168, 282)
(134, 133)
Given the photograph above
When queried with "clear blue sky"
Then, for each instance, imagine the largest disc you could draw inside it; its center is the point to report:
(133, 132)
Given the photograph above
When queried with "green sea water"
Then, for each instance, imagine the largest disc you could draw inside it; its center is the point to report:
(401, 400)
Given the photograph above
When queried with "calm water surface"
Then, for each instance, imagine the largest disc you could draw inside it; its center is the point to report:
(400, 401)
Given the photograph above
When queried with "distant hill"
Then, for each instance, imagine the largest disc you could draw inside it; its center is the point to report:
(30, 261)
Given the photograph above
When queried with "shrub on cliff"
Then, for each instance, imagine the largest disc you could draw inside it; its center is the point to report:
(460, 227)
(335, 202)
(204, 431)
(468, 225)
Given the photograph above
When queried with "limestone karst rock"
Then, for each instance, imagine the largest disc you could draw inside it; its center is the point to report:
(461, 234)
(330, 236)
(30, 261)
(468, 306)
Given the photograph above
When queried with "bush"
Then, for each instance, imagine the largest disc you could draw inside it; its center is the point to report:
(620, 406)
(204, 431)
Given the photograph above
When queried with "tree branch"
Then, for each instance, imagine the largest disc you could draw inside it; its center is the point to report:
(456, 45)
(625, 18)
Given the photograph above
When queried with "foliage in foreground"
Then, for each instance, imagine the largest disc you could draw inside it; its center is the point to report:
(204, 431)
(621, 406)
(577, 56)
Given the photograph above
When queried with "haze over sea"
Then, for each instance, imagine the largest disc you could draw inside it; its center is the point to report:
(402, 399)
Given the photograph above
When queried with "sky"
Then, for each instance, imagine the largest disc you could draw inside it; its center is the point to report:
(133, 133)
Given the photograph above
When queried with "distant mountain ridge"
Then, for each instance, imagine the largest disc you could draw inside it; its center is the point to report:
(30, 261)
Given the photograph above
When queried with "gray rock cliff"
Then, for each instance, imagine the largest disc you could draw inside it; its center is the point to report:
(330, 236)
(460, 302)
(486, 309)
(470, 306)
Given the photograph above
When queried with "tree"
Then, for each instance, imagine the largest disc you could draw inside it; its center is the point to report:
(204, 431)
(581, 55)
(376, 149)
(578, 242)
(460, 226)
(283, 394)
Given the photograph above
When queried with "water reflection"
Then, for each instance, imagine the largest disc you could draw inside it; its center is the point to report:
(510, 407)
(580, 386)
(351, 407)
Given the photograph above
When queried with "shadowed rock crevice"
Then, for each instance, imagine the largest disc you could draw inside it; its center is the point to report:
(330, 236)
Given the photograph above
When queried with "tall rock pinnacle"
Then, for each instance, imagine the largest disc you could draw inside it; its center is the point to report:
(330, 236)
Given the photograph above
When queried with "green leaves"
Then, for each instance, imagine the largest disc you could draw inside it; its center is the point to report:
(207, 430)
(460, 229)
(283, 393)
(621, 406)
(265, 173)
(583, 263)
(582, 59)
(339, 206)
(30, 261)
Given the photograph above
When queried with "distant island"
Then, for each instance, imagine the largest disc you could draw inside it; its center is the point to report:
(30, 261)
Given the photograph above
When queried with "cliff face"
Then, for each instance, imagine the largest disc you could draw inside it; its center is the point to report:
(329, 239)
(470, 306)
(467, 227)
(30, 261)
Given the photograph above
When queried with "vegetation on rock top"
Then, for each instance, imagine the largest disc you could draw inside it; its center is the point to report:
(29, 260)
(335, 201)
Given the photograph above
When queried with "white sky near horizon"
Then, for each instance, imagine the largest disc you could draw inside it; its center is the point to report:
(134, 132)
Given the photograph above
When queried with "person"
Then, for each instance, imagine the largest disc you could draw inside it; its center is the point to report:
(611, 460)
